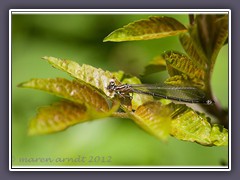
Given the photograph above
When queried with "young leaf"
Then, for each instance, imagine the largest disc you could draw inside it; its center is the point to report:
(57, 117)
(97, 78)
(71, 90)
(188, 125)
(220, 38)
(179, 121)
(153, 28)
(154, 118)
(212, 32)
(183, 64)
(184, 80)
(137, 99)
(219, 135)
(209, 34)
(197, 56)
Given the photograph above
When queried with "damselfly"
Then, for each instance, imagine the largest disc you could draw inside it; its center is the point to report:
(176, 93)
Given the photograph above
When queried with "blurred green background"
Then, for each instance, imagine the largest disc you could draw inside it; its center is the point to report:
(79, 38)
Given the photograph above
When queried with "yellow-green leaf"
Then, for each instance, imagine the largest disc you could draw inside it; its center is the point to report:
(154, 118)
(179, 121)
(119, 75)
(189, 125)
(219, 135)
(183, 64)
(137, 99)
(196, 54)
(71, 90)
(57, 117)
(184, 80)
(153, 28)
(95, 77)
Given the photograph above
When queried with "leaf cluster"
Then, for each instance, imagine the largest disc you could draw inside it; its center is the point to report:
(87, 98)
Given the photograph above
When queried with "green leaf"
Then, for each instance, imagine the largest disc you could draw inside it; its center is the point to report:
(183, 64)
(195, 53)
(189, 125)
(220, 38)
(119, 75)
(71, 90)
(210, 33)
(137, 99)
(153, 28)
(58, 117)
(95, 77)
(154, 118)
(184, 80)
(179, 121)
(156, 65)
(219, 135)
(62, 115)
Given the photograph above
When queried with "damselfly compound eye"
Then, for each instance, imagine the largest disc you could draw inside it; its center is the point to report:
(111, 85)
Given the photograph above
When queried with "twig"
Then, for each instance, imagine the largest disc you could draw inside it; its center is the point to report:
(191, 19)
(120, 114)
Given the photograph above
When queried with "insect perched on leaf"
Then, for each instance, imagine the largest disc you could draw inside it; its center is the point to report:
(176, 93)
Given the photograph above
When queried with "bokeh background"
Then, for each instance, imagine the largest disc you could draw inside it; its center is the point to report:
(79, 37)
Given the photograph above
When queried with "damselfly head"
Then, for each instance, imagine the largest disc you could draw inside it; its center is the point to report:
(111, 86)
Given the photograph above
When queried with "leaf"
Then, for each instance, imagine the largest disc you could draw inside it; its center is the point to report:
(119, 75)
(154, 118)
(184, 80)
(219, 135)
(71, 90)
(137, 99)
(212, 32)
(153, 28)
(57, 117)
(197, 56)
(183, 64)
(226, 41)
(220, 38)
(156, 65)
(172, 71)
(179, 121)
(62, 115)
(189, 125)
(97, 78)
(210, 28)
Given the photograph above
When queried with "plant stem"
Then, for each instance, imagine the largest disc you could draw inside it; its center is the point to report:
(219, 113)
(120, 114)
(216, 109)
(191, 19)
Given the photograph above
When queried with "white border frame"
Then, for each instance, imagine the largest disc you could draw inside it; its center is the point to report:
(117, 168)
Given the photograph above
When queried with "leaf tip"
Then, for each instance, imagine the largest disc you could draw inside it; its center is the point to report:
(45, 57)
(22, 84)
(49, 58)
(105, 39)
(110, 37)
